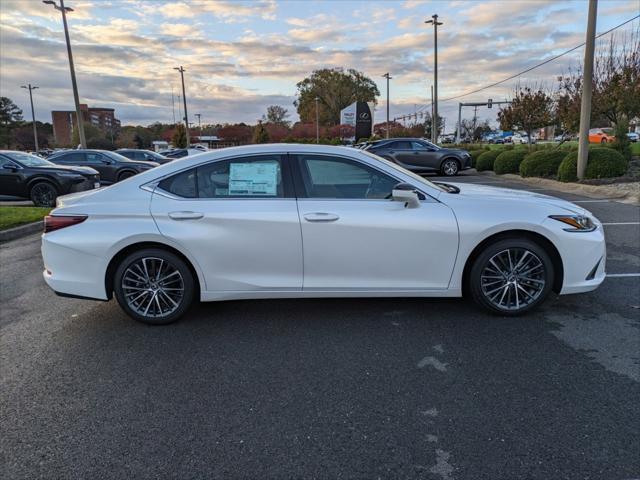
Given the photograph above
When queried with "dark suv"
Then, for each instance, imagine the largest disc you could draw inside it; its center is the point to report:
(29, 176)
(418, 155)
(145, 155)
(112, 166)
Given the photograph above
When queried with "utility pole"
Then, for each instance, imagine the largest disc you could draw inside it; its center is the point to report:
(432, 124)
(184, 99)
(76, 98)
(587, 81)
(434, 121)
(459, 123)
(173, 106)
(33, 115)
(388, 77)
(318, 122)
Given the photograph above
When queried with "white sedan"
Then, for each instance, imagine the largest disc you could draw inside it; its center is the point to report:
(292, 221)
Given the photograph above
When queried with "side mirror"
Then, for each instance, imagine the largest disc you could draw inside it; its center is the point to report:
(403, 192)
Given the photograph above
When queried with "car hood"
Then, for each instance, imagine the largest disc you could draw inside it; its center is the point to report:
(67, 168)
(486, 192)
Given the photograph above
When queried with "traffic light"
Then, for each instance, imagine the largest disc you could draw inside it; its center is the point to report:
(489, 102)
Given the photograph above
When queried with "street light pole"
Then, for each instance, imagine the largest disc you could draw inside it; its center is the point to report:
(434, 121)
(199, 124)
(388, 77)
(587, 81)
(33, 115)
(76, 98)
(317, 121)
(184, 99)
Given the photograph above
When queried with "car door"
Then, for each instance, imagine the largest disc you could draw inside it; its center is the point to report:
(12, 178)
(401, 151)
(104, 165)
(356, 238)
(238, 219)
(425, 156)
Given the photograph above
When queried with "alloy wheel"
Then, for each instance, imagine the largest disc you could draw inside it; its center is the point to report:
(153, 287)
(513, 279)
(43, 194)
(450, 167)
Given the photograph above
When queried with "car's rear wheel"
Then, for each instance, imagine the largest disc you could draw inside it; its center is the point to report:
(125, 175)
(511, 276)
(43, 194)
(604, 140)
(154, 286)
(450, 167)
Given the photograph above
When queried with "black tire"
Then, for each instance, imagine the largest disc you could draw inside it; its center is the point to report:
(479, 285)
(604, 140)
(125, 175)
(450, 167)
(169, 259)
(43, 194)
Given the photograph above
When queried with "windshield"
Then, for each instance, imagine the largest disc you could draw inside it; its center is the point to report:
(28, 160)
(416, 177)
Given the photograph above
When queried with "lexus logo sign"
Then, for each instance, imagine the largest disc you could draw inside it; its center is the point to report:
(364, 116)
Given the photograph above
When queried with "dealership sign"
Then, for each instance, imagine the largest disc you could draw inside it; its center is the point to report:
(360, 116)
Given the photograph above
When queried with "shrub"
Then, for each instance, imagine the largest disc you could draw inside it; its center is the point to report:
(543, 163)
(509, 161)
(486, 159)
(602, 163)
(622, 143)
(474, 156)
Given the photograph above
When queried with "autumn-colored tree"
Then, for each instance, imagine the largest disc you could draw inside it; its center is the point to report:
(305, 130)
(335, 90)
(179, 139)
(529, 110)
(276, 132)
(238, 133)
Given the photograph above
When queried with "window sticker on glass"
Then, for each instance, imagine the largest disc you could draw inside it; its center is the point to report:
(254, 178)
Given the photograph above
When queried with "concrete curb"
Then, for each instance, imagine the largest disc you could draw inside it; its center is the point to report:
(609, 192)
(21, 231)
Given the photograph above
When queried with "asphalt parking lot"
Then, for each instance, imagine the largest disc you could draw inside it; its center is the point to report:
(375, 388)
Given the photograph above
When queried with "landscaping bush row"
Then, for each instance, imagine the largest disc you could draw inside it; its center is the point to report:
(554, 163)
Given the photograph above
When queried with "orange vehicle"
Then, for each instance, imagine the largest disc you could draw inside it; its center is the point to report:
(601, 135)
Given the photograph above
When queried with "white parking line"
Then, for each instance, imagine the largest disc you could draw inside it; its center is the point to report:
(621, 223)
(622, 275)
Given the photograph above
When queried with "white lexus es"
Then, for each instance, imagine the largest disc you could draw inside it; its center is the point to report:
(291, 221)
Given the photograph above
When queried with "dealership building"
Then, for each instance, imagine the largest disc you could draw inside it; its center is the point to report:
(64, 122)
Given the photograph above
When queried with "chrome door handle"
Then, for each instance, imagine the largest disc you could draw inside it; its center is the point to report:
(185, 215)
(321, 217)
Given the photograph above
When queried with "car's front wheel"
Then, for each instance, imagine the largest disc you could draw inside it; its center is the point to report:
(125, 175)
(43, 194)
(511, 276)
(154, 286)
(450, 168)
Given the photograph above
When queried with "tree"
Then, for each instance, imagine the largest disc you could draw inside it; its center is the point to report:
(238, 133)
(179, 138)
(260, 134)
(276, 115)
(22, 138)
(335, 89)
(91, 132)
(277, 132)
(10, 118)
(530, 109)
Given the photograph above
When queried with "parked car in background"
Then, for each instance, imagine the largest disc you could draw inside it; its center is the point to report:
(522, 139)
(601, 135)
(419, 155)
(181, 152)
(231, 224)
(29, 176)
(145, 155)
(633, 136)
(112, 166)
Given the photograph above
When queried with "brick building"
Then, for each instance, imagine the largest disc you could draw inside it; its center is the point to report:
(64, 121)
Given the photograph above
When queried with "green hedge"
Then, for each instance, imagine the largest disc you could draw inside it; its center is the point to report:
(543, 163)
(474, 156)
(485, 160)
(509, 161)
(603, 162)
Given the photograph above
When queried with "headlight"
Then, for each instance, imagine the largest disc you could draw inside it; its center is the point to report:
(70, 175)
(578, 223)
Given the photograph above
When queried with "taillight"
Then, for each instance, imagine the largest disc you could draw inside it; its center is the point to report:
(56, 222)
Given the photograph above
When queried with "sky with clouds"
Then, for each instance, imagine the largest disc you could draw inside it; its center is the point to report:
(242, 56)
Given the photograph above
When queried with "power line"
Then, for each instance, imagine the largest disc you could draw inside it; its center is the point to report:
(531, 68)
